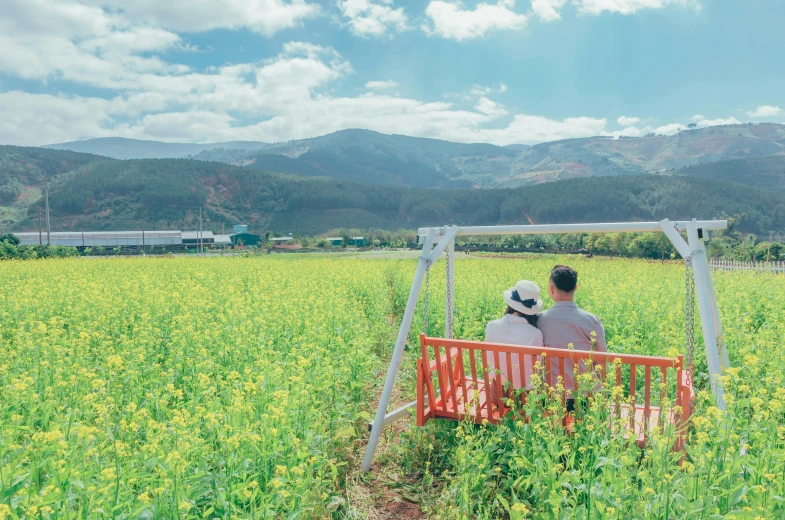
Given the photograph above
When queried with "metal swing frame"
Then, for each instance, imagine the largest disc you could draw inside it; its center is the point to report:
(693, 251)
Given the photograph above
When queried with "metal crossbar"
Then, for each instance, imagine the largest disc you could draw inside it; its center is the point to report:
(544, 229)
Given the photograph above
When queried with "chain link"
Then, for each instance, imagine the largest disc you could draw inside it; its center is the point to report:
(689, 317)
(448, 302)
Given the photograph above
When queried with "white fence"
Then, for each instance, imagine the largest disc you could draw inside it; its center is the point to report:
(719, 264)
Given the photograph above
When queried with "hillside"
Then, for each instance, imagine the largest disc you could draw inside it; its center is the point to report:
(89, 192)
(655, 154)
(763, 172)
(366, 156)
(122, 148)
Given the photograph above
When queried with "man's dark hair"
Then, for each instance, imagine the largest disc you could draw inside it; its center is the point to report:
(565, 278)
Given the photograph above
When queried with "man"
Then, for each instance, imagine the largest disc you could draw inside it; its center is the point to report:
(565, 323)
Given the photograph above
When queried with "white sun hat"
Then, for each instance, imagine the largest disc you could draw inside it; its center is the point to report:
(524, 297)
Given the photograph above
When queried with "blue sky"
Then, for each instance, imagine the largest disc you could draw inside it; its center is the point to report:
(503, 72)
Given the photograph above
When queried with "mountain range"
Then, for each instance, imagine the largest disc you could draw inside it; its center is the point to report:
(91, 192)
(371, 157)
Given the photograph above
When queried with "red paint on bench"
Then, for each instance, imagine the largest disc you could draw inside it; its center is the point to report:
(458, 394)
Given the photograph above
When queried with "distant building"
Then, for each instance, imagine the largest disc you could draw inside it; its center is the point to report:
(222, 240)
(246, 239)
(103, 238)
(191, 238)
(240, 229)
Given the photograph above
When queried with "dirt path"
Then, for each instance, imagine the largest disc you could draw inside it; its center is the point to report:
(385, 493)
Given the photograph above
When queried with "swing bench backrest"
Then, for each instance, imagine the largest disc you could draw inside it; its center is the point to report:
(455, 378)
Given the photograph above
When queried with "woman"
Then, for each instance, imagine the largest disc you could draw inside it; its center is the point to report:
(518, 326)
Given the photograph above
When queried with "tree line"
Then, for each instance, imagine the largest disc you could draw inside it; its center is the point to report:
(11, 250)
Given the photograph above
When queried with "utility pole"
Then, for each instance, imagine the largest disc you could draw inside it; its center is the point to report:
(40, 232)
(143, 216)
(768, 253)
(201, 247)
(46, 199)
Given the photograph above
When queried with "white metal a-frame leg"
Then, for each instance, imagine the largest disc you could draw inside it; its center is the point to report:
(427, 258)
(694, 250)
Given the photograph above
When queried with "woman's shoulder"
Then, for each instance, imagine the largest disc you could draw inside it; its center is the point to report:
(538, 339)
(496, 323)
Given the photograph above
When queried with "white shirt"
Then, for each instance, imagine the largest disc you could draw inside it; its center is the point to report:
(513, 330)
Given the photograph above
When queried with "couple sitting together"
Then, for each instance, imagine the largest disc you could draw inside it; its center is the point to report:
(525, 323)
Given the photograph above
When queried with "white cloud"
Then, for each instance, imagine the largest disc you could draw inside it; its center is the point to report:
(283, 98)
(451, 20)
(120, 53)
(670, 129)
(765, 111)
(490, 108)
(596, 7)
(699, 121)
(42, 39)
(628, 121)
(548, 10)
(367, 18)
(479, 90)
(263, 16)
(33, 119)
(381, 85)
(537, 129)
(717, 122)
(178, 126)
(630, 131)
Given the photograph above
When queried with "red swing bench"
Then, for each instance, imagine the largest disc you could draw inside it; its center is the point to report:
(459, 392)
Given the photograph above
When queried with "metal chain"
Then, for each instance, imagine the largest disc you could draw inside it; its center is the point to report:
(448, 302)
(427, 296)
(689, 317)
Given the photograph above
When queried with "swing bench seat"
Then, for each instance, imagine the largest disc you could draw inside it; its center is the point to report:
(448, 389)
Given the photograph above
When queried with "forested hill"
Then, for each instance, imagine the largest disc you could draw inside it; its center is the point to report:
(763, 172)
(89, 192)
(122, 148)
(366, 156)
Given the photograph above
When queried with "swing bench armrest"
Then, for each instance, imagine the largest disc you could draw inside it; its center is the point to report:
(442, 370)
(432, 366)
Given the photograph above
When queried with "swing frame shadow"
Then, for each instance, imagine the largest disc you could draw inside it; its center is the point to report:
(693, 251)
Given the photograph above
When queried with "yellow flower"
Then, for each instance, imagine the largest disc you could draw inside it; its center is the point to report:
(114, 361)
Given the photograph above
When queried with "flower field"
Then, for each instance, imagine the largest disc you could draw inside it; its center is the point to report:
(239, 388)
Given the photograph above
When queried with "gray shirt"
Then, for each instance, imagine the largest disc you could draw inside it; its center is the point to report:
(566, 323)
